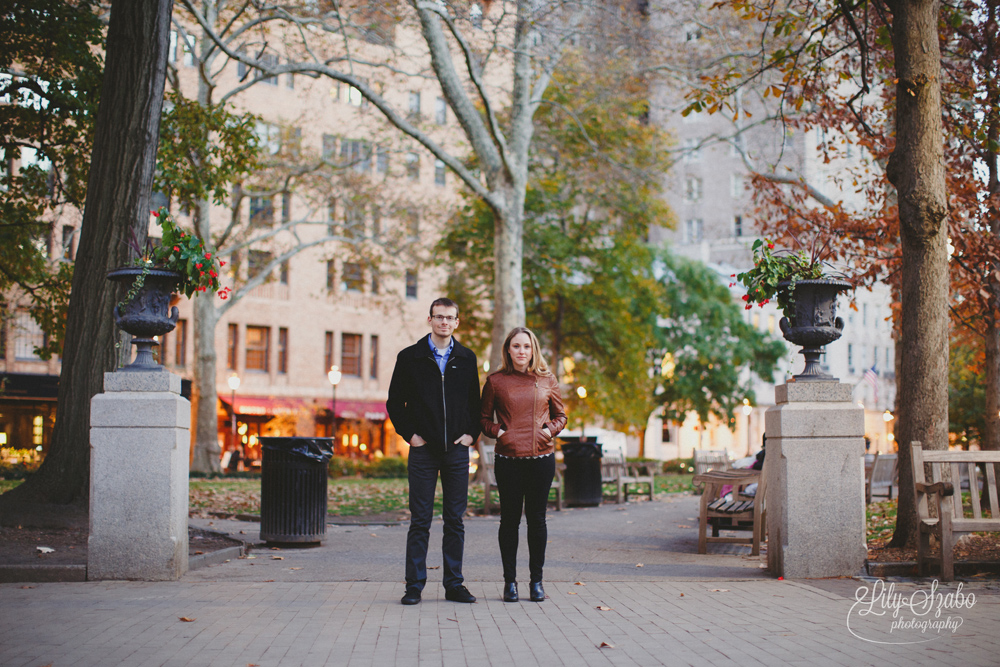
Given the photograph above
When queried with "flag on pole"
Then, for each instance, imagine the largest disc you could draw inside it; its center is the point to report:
(871, 377)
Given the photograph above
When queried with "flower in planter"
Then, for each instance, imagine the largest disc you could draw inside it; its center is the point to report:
(770, 269)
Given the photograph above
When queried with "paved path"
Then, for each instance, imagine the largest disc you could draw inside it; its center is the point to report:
(339, 605)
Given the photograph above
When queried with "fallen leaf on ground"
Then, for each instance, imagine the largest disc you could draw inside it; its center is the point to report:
(433, 567)
(691, 518)
(277, 558)
(453, 619)
(572, 593)
(27, 586)
(639, 565)
(275, 548)
(187, 620)
(579, 583)
(605, 645)
(682, 595)
(45, 550)
(602, 607)
(683, 525)
(198, 553)
(720, 590)
(295, 568)
(373, 534)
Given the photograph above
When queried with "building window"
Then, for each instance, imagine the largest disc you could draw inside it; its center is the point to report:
(283, 273)
(373, 370)
(331, 216)
(692, 189)
(261, 211)
(376, 283)
(439, 172)
(692, 32)
(290, 81)
(354, 219)
(28, 337)
(180, 343)
(692, 152)
(286, 206)
(269, 137)
(357, 154)
(694, 230)
(188, 46)
(233, 346)
(412, 224)
(350, 354)
(328, 352)
(353, 279)
(850, 358)
(411, 284)
(331, 274)
(354, 97)
(282, 350)
(414, 108)
(738, 225)
(257, 261)
(258, 348)
(738, 186)
(382, 160)
(440, 111)
(329, 146)
(269, 60)
(376, 223)
(413, 166)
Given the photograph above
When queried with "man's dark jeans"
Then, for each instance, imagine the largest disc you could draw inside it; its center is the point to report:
(424, 468)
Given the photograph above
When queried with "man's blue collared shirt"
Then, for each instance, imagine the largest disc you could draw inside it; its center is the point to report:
(438, 357)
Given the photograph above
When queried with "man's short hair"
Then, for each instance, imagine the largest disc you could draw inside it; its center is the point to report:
(446, 302)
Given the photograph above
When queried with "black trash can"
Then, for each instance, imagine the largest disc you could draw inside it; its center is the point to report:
(582, 478)
(293, 476)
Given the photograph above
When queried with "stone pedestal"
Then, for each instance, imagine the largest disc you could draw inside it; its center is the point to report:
(815, 494)
(139, 452)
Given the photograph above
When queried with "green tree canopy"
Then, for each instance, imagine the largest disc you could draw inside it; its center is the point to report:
(711, 354)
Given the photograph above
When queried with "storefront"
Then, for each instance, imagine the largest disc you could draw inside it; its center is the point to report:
(27, 414)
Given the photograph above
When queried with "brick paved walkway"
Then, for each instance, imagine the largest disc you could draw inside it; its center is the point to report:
(678, 609)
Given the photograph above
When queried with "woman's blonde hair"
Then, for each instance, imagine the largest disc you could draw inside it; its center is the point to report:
(536, 364)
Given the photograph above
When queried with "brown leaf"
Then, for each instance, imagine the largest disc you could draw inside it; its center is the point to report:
(198, 553)
(572, 593)
(683, 525)
(639, 565)
(27, 586)
(580, 583)
(720, 590)
(277, 558)
(602, 607)
(275, 548)
(295, 568)
(605, 645)
(682, 595)
(187, 620)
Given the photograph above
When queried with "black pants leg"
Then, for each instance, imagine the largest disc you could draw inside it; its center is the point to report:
(423, 470)
(523, 486)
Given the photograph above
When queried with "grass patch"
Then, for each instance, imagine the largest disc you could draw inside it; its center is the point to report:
(8, 484)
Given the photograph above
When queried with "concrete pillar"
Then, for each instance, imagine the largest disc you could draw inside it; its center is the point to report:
(815, 497)
(139, 452)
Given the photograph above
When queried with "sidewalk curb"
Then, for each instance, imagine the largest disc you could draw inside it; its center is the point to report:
(16, 574)
(909, 568)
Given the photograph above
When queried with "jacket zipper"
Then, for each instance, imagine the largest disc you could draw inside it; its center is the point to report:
(534, 419)
(444, 406)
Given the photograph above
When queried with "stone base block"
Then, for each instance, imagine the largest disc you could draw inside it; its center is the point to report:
(140, 443)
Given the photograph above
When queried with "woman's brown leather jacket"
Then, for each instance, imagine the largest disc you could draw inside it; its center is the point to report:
(524, 404)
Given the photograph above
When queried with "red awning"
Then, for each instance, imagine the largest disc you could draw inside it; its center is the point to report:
(267, 405)
(370, 410)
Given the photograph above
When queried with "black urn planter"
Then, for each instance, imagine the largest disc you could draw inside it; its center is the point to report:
(815, 323)
(148, 312)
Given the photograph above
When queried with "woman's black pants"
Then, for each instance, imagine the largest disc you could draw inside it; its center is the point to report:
(523, 485)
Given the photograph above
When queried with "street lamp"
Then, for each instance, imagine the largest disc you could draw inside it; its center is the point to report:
(234, 384)
(581, 391)
(747, 409)
(334, 377)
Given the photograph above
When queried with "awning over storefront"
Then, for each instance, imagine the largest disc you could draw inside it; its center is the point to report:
(275, 406)
(370, 410)
(267, 405)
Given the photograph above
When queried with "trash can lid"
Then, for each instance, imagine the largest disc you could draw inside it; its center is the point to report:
(317, 449)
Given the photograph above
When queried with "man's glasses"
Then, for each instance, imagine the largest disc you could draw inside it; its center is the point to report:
(444, 318)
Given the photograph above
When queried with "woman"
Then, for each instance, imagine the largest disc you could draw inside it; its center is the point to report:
(524, 395)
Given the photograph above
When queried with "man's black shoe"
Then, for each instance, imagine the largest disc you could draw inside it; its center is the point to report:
(412, 596)
(459, 594)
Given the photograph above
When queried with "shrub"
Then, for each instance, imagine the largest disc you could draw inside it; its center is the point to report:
(17, 470)
(342, 466)
(386, 468)
(675, 466)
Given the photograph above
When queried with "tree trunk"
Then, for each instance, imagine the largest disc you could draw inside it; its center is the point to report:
(118, 187)
(207, 456)
(508, 296)
(916, 169)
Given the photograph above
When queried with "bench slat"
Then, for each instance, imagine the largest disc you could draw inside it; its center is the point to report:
(947, 456)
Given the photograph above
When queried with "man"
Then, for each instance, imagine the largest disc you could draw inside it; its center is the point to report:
(434, 405)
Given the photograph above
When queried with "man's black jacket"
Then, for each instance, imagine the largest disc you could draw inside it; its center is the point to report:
(439, 408)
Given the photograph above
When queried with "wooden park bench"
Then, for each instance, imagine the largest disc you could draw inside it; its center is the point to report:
(741, 512)
(882, 476)
(944, 494)
(612, 471)
(488, 479)
(635, 473)
(710, 459)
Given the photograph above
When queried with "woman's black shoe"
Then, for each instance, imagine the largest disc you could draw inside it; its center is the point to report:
(510, 591)
(537, 592)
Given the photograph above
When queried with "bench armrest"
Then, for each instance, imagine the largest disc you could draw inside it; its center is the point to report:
(942, 488)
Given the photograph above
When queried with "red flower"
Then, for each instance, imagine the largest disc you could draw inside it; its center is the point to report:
(201, 273)
(770, 246)
(746, 297)
(748, 307)
(731, 284)
(213, 274)
(154, 214)
(222, 263)
(176, 249)
(197, 266)
(208, 255)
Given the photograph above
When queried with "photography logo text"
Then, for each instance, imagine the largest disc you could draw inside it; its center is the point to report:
(883, 615)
